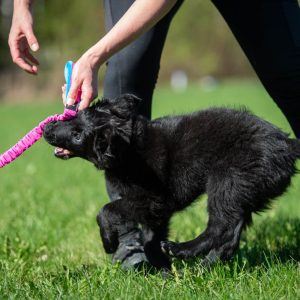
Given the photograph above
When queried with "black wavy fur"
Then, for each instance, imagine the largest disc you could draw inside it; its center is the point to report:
(162, 166)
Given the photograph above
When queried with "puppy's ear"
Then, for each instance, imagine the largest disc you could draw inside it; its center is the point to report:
(109, 142)
(125, 105)
(103, 145)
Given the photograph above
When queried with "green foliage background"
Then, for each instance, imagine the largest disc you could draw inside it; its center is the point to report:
(49, 240)
(199, 41)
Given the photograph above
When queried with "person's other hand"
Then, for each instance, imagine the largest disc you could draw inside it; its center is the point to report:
(84, 78)
(22, 39)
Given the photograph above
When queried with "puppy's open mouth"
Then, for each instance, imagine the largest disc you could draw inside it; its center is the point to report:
(63, 153)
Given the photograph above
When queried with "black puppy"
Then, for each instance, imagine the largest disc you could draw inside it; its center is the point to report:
(162, 166)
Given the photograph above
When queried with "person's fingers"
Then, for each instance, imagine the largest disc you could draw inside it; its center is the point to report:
(32, 40)
(34, 69)
(63, 88)
(30, 57)
(75, 86)
(84, 104)
(18, 56)
(31, 61)
(88, 94)
(63, 93)
(21, 62)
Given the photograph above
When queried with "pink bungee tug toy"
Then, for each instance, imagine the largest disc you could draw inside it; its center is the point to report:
(35, 134)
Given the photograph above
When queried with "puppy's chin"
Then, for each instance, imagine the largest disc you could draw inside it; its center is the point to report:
(63, 153)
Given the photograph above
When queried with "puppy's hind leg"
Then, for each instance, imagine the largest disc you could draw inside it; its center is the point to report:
(222, 235)
(225, 251)
(211, 238)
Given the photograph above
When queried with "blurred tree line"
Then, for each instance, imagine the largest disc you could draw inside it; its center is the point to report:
(63, 28)
(199, 41)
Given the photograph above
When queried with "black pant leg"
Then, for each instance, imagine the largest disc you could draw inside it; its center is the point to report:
(135, 68)
(269, 33)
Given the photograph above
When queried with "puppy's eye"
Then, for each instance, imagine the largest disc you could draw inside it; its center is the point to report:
(77, 136)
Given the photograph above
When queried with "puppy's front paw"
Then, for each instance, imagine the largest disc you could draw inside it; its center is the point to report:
(110, 241)
(108, 233)
(171, 249)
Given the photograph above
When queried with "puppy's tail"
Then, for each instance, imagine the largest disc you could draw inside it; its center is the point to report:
(295, 146)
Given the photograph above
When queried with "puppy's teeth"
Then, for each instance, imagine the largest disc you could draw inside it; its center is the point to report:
(163, 250)
(171, 253)
(57, 150)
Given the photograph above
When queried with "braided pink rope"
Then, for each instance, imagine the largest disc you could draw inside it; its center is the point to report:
(32, 137)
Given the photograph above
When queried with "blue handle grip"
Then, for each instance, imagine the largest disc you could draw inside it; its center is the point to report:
(68, 75)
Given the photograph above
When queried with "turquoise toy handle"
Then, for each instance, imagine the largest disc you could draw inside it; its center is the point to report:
(68, 75)
(68, 78)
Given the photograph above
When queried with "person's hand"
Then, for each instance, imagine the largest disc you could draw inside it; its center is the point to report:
(84, 78)
(22, 39)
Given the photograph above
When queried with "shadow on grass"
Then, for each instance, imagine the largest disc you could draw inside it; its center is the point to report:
(270, 241)
(274, 240)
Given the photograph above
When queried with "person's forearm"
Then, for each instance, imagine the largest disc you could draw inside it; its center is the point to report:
(22, 4)
(140, 17)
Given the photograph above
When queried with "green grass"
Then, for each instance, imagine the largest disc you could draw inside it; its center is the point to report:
(49, 240)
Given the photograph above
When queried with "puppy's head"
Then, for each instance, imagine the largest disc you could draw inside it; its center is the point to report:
(99, 133)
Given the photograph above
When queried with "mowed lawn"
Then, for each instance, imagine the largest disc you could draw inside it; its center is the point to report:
(49, 239)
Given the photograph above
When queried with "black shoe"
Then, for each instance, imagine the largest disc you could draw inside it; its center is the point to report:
(130, 252)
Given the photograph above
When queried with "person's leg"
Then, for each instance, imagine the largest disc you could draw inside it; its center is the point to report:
(269, 33)
(133, 70)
